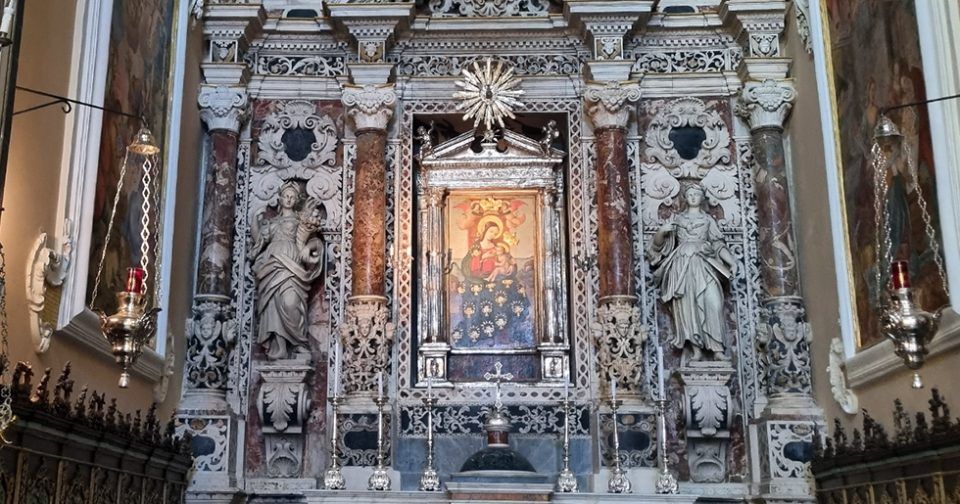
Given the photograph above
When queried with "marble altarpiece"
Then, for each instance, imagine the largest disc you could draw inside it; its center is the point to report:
(426, 249)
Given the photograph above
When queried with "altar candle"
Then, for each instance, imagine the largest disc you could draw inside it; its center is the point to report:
(336, 368)
(135, 278)
(900, 274)
(380, 384)
(429, 387)
(613, 389)
(663, 390)
(566, 389)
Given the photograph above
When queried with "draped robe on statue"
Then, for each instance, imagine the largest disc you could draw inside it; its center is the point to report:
(283, 285)
(689, 272)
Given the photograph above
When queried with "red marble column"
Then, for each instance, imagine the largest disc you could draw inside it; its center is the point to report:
(778, 260)
(368, 254)
(219, 212)
(613, 213)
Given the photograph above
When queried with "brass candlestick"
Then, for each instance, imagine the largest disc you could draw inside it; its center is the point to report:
(429, 480)
(666, 482)
(618, 478)
(333, 477)
(566, 481)
(379, 480)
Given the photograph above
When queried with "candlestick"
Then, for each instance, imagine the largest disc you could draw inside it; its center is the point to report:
(333, 477)
(380, 384)
(429, 387)
(380, 479)
(613, 389)
(618, 483)
(666, 482)
(566, 481)
(663, 390)
(430, 479)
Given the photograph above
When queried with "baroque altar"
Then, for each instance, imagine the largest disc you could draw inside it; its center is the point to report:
(604, 238)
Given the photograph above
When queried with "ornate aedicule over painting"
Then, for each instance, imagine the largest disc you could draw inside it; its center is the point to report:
(492, 261)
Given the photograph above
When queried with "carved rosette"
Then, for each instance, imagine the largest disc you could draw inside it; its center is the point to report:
(766, 104)
(370, 106)
(619, 334)
(606, 103)
(784, 337)
(283, 405)
(223, 107)
(366, 335)
(210, 336)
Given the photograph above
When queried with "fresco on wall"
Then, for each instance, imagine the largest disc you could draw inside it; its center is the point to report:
(138, 81)
(874, 50)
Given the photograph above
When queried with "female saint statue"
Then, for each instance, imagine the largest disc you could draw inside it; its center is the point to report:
(691, 261)
(289, 257)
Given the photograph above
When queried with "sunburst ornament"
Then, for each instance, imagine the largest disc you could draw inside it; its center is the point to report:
(488, 94)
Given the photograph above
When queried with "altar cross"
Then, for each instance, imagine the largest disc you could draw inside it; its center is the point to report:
(498, 377)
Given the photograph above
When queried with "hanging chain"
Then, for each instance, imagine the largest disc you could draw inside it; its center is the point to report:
(881, 221)
(927, 220)
(157, 288)
(146, 205)
(113, 216)
(6, 389)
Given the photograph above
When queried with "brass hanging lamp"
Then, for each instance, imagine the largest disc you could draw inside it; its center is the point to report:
(133, 325)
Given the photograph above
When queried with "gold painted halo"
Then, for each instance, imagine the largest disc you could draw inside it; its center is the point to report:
(490, 218)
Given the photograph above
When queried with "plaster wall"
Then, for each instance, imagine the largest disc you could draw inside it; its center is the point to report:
(31, 200)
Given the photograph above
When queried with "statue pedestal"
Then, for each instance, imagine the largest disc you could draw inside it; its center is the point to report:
(709, 412)
(283, 404)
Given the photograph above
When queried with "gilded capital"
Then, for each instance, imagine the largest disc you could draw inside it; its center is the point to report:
(223, 107)
(607, 103)
(766, 104)
(370, 106)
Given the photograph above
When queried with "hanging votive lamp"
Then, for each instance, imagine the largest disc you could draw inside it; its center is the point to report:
(133, 325)
(907, 325)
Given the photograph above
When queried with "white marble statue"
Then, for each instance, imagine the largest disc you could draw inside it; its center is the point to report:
(289, 257)
(692, 261)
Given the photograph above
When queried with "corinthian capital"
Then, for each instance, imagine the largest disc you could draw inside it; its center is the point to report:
(606, 103)
(766, 104)
(223, 107)
(370, 106)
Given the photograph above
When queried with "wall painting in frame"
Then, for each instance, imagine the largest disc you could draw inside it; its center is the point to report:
(139, 81)
(493, 282)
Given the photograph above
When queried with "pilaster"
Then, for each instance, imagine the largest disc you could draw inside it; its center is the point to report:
(211, 332)
(783, 333)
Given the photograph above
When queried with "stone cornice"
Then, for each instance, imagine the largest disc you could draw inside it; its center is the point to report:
(756, 24)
